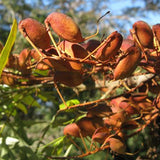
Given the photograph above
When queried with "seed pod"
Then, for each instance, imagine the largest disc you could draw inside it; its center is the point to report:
(111, 47)
(72, 130)
(74, 50)
(101, 110)
(91, 45)
(156, 31)
(13, 61)
(117, 145)
(71, 79)
(127, 65)
(144, 34)
(116, 120)
(120, 104)
(127, 43)
(58, 65)
(10, 81)
(24, 61)
(24, 58)
(64, 26)
(36, 32)
(100, 134)
(89, 125)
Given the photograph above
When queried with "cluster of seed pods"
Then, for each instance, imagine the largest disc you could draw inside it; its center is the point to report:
(68, 62)
(67, 58)
(107, 123)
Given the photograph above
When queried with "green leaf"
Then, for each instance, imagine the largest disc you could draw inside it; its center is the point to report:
(69, 103)
(29, 100)
(22, 108)
(56, 142)
(8, 46)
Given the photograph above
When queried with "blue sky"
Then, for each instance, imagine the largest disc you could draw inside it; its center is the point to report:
(117, 6)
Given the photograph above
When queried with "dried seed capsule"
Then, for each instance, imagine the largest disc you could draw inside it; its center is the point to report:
(74, 50)
(127, 65)
(100, 134)
(144, 34)
(117, 145)
(127, 43)
(89, 125)
(64, 26)
(24, 58)
(58, 65)
(70, 79)
(8, 80)
(101, 110)
(91, 45)
(13, 61)
(72, 130)
(111, 47)
(122, 104)
(156, 31)
(36, 32)
(24, 61)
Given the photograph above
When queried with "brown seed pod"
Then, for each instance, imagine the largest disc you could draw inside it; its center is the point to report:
(72, 130)
(127, 43)
(100, 134)
(111, 47)
(156, 31)
(101, 110)
(74, 50)
(117, 145)
(10, 81)
(144, 34)
(13, 61)
(49, 62)
(89, 125)
(91, 45)
(64, 26)
(24, 61)
(127, 65)
(116, 120)
(36, 32)
(24, 58)
(71, 79)
(122, 104)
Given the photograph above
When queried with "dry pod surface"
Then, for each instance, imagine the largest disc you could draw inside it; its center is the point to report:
(72, 130)
(111, 47)
(64, 26)
(91, 45)
(127, 65)
(117, 145)
(36, 32)
(74, 50)
(71, 79)
(144, 34)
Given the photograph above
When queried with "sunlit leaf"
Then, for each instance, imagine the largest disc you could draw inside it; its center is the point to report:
(29, 100)
(22, 108)
(69, 103)
(8, 46)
